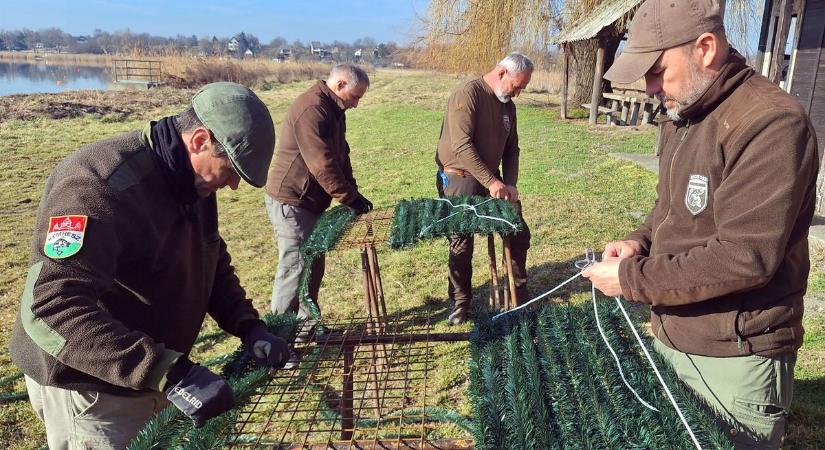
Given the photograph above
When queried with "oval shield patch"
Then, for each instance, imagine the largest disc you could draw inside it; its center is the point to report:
(696, 197)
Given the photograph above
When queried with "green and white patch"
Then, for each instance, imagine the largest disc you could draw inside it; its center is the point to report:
(65, 236)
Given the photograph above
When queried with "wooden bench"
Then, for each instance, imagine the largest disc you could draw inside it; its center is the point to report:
(626, 108)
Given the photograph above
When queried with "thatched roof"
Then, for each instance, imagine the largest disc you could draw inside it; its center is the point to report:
(589, 25)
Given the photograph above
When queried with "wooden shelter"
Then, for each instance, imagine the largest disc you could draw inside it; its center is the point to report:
(791, 53)
(592, 25)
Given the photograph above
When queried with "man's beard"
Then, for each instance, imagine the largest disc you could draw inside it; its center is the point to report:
(502, 97)
(697, 84)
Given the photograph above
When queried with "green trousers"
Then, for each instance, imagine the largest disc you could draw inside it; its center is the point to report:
(82, 420)
(751, 395)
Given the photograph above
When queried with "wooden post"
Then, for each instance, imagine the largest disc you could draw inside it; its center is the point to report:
(491, 253)
(511, 282)
(368, 299)
(763, 35)
(381, 306)
(565, 80)
(781, 33)
(597, 82)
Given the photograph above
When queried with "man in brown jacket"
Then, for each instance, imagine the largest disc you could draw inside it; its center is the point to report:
(478, 135)
(312, 166)
(723, 257)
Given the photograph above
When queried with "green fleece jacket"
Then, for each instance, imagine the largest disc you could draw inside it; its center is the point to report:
(114, 315)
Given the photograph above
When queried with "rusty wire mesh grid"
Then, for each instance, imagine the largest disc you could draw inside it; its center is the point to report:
(372, 229)
(355, 387)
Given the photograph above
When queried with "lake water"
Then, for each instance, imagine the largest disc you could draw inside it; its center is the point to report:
(37, 77)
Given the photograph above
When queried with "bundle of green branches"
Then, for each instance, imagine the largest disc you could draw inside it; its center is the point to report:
(327, 232)
(171, 429)
(546, 380)
(420, 219)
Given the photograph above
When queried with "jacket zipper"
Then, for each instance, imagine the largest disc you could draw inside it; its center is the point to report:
(669, 175)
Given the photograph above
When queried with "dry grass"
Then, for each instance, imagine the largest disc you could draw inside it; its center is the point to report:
(184, 71)
(545, 82)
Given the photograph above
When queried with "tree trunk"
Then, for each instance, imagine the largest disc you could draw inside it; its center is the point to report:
(583, 55)
(583, 58)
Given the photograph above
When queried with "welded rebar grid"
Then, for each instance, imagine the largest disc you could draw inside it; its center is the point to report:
(355, 387)
(370, 229)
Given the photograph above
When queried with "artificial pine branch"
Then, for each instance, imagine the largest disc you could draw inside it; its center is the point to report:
(589, 426)
(520, 421)
(544, 424)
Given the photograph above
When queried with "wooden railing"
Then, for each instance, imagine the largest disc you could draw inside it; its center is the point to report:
(136, 70)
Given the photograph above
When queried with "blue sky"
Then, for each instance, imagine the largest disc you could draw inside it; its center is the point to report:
(328, 20)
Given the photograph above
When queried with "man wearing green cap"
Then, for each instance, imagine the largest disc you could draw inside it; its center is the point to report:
(312, 167)
(126, 262)
(723, 257)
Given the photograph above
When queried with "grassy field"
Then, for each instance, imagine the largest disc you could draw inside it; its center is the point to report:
(574, 194)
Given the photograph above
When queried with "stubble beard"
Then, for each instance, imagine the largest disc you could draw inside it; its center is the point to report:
(697, 84)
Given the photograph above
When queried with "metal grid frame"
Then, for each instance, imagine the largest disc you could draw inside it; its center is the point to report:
(370, 229)
(356, 387)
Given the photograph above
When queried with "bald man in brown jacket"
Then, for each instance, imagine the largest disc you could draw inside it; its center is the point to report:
(477, 136)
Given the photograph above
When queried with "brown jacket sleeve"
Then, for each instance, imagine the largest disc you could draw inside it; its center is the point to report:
(314, 137)
(348, 167)
(772, 161)
(509, 160)
(461, 109)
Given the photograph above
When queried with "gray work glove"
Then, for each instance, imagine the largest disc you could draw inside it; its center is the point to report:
(267, 349)
(197, 392)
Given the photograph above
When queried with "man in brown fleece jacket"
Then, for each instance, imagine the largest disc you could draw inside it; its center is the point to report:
(723, 257)
(312, 166)
(126, 262)
(478, 135)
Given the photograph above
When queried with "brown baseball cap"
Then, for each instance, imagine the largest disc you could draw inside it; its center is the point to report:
(657, 26)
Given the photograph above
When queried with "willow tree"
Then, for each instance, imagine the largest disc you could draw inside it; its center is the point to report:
(468, 36)
(471, 35)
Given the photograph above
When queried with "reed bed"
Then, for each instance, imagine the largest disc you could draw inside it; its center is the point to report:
(182, 71)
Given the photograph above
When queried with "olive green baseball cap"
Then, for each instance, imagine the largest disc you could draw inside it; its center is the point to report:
(240, 121)
(657, 26)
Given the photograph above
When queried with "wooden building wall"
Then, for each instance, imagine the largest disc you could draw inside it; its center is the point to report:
(809, 70)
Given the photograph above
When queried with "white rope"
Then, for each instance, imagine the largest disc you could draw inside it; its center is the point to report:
(658, 375)
(499, 315)
(616, 357)
(467, 207)
(590, 259)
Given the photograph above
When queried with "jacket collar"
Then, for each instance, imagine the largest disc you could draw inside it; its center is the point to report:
(322, 85)
(733, 73)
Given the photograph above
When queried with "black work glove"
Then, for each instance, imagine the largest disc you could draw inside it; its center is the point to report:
(361, 205)
(197, 392)
(267, 349)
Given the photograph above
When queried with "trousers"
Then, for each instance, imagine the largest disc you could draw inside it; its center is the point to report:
(460, 275)
(750, 395)
(83, 420)
(292, 227)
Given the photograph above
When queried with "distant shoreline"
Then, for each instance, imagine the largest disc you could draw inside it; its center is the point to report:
(76, 59)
